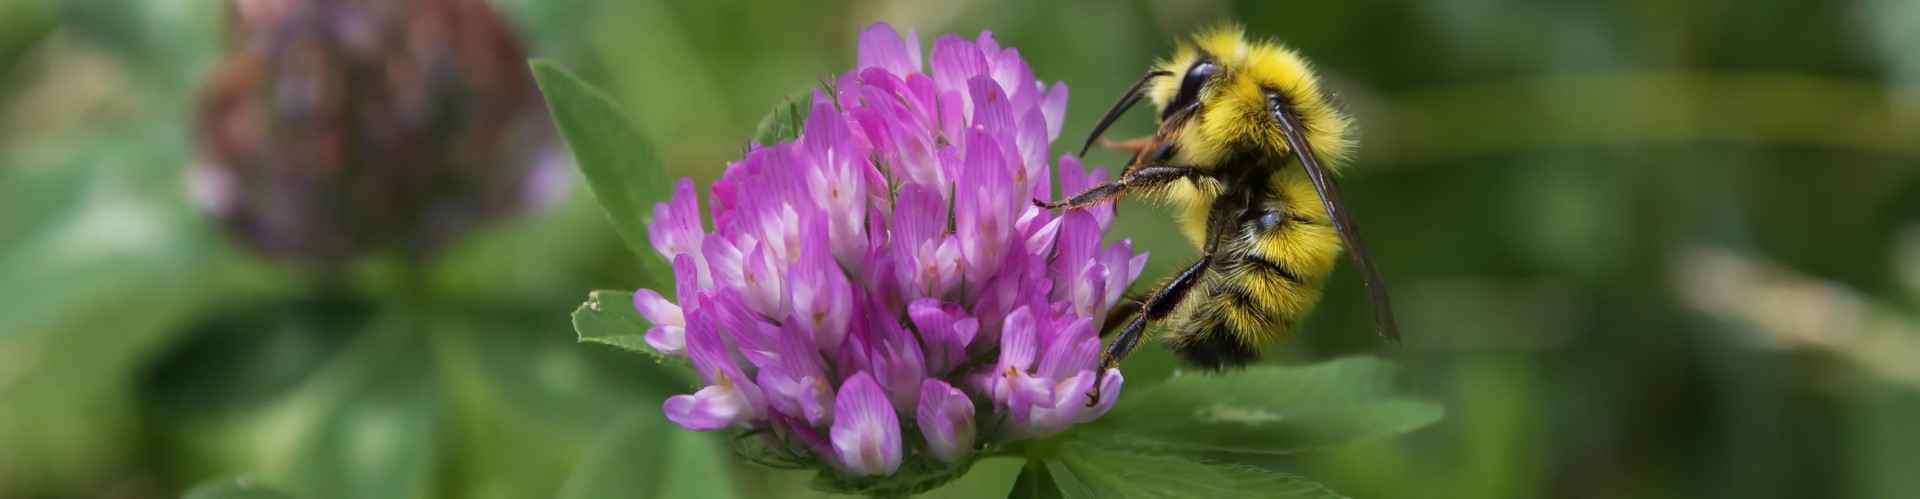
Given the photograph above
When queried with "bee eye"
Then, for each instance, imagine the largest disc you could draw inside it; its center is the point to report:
(1189, 93)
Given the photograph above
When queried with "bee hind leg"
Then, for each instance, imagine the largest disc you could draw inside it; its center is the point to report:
(1127, 307)
(1159, 304)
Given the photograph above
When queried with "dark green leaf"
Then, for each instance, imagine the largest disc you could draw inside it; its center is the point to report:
(621, 167)
(647, 456)
(986, 478)
(232, 488)
(1112, 469)
(1036, 482)
(246, 360)
(533, 402)
(1068, 483)
(369, 423)
(230, 371)
(784, 122)
(918, 474)
(1272, 409)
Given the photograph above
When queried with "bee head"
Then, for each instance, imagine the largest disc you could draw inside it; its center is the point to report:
(1198, 69)
(1236, 87)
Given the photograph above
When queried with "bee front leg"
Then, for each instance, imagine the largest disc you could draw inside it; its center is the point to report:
(1132, 146)
(1146, 177)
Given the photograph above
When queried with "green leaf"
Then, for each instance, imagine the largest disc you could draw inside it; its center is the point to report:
(165, 43)
(621, 167)
(1266, 410)
(368, 424)
(1116, 468)
(531, 403)
(207, 400)
(608, 318)
(92, 222)
(784, 122)
(647, 456)
(988, 477)
(1036, 482)
(232, 488)
(1068, 483)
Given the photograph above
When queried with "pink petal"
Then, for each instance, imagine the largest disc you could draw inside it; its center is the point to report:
(1075, 348)
(1018, 342)
(712, 408)
(881, 46)
(866, 433)
(1109, 393)
(656, 309)
(1054, 106)
(956, 60)
(667, 340)
(946, 420)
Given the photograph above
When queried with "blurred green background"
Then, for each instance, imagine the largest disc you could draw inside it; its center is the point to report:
(1640, 248)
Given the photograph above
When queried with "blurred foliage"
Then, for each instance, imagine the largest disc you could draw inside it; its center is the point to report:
(1538, 179)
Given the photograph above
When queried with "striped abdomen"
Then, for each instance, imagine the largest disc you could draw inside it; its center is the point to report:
(1264, 280)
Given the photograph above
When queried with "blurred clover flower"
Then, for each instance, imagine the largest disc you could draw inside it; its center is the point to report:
(879, 297)
(332, 127)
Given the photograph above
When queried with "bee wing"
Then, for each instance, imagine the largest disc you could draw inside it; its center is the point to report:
(1329, 190)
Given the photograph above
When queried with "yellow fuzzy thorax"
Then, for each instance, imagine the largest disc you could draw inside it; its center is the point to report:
(1234, 112)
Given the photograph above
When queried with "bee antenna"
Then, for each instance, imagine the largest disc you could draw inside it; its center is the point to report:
(1127, 100)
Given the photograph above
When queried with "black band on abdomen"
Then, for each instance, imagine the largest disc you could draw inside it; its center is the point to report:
(1270, 266)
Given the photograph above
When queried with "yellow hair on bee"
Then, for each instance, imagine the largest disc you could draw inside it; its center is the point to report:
(1265, 279)
(1235, 118)
(1237, 111)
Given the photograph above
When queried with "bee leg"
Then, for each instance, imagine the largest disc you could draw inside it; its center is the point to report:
(1132, 146)
(1146, 177)
(1126, 308)
(1158, 305)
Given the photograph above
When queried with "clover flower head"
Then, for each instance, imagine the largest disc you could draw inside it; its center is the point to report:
(320, 141)
(879, 297)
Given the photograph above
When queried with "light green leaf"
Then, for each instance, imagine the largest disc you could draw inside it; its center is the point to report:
(167, 43)
(1036, 482)
(784, 122)
(647, 456)
(621, 167)
(1113, 468)
(608, 318)
(102, 264)
(1267, 410)
(232, 488)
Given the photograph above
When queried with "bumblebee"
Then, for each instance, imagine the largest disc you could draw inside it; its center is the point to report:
(1233, 115)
